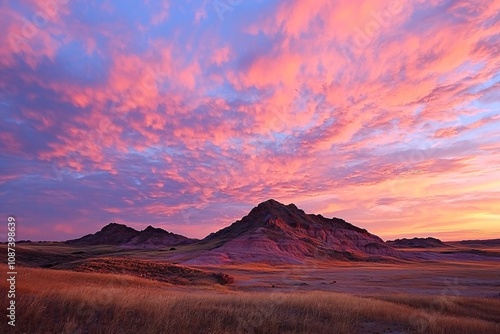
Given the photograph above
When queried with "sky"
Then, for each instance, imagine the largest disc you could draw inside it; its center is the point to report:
(186, 114)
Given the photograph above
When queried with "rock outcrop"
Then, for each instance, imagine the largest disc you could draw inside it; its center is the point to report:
(276, 233)
(416, 243)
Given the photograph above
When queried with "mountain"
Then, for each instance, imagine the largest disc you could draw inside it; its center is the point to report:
(111, 234)
(122, 235)
(417, 243)
(276, 233)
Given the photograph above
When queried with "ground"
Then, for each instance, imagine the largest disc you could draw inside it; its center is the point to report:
(318, 297)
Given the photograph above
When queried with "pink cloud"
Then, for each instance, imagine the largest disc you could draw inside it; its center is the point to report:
(330, 105)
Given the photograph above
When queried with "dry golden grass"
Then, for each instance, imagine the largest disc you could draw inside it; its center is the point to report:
(51, 301)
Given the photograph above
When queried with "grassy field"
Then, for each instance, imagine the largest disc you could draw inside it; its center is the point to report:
(50, 301)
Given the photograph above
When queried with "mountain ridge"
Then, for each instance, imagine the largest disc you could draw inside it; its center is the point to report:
(123, 235)
(271, 232)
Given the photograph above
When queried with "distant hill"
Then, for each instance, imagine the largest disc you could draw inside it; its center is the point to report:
(480, 243)
(277, 233)
(122, 235)
(417, 243)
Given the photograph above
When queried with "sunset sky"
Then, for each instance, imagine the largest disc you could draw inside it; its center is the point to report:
(186, 114)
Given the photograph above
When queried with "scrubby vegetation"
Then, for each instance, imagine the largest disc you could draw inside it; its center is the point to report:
(156, 270)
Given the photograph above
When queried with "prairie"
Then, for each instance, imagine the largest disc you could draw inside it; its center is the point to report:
(59, 301)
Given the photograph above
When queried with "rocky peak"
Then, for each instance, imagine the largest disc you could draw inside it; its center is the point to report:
(150, 229)
(272, 210)
(117, 228)
(111, 234)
